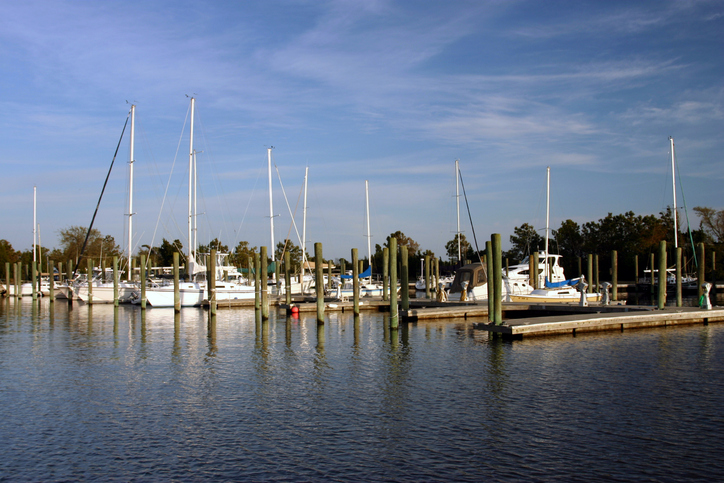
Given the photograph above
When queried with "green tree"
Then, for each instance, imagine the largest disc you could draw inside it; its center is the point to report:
(243, 253)
(524, 241)
(7, 254)
(451, 248)
(166, 250)
(711, 222)
(295, 252)
(412, 246)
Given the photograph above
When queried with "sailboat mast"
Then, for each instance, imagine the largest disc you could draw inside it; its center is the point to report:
(191, 251)
(130, 189)
(548, 216)
(271, 203)
(673, 184)
(304, 226)
(457, 200)
(369, 237)
(35, 221)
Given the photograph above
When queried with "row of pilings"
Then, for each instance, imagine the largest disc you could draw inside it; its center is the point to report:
(390, 277)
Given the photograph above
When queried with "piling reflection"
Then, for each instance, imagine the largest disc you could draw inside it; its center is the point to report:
(211, 338)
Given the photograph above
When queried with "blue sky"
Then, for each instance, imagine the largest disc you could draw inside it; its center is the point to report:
(386, 91)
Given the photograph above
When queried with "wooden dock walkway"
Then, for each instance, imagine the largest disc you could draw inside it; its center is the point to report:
(635, 318)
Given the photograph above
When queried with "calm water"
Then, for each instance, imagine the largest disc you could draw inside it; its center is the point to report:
(97, 395)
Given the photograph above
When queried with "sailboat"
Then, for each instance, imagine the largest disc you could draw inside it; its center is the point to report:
(191, 292)
(102, 291)
(565, 291)
(345, 286)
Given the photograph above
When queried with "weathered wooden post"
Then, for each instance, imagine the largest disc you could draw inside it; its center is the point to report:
(212, 282)
(89, 276)
(404, 278)
(34, 280)
(596, 273)
(488, 260)
(497, 256)
(614, 275)
(427, 276)
(319, 284)
(7, 279)
(355, 281)
(115, 280)
(394, 320)
(176, 284)
(69, 271)
(16, 274)
(287, 278)
(257, 284)
(662, 275)
(533, 270)
(264, 285)
(700, 279)
(636, 270)
(51, 270)
(679, 298)
(589, 272)
(436, 285)
(329, 276)
(580, 269)
(653, 285)
(132, 270)
(385, 274)
(143, 282)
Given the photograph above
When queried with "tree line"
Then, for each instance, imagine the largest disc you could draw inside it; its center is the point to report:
(627, 233)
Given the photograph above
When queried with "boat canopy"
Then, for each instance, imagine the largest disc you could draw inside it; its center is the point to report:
(365, 274)
(565, 283)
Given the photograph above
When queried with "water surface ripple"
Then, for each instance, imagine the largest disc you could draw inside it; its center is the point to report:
(116, 395)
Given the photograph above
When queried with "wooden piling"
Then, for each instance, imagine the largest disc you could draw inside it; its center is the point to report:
(143, 282)
(319, 282)
(497, 256)
(7, 279)
(488, 259)
(264, 285)
(662, 275)
(700, 278)
(679, 298)
(385, 274)
(589, 272)
(287, 278)
(404, 278)
(211, 282)
(653, 286)
(614, 275)
(329, 276)
(34, 280)
(533, 270)
(51, 285)
(16, 274)
(597, 283)
(257, 284)
(89, 276)
(176, 284)
(427, 276)
(355, 281)
(394, 318)
(115, 281)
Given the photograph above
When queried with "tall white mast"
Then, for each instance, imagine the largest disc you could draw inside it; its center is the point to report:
(35, 221)
(304, 226)
(457, 203)
(271, 205)
(548, 214)
(130, 189)
(673, 183)
(369, 237)
(191, 251)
